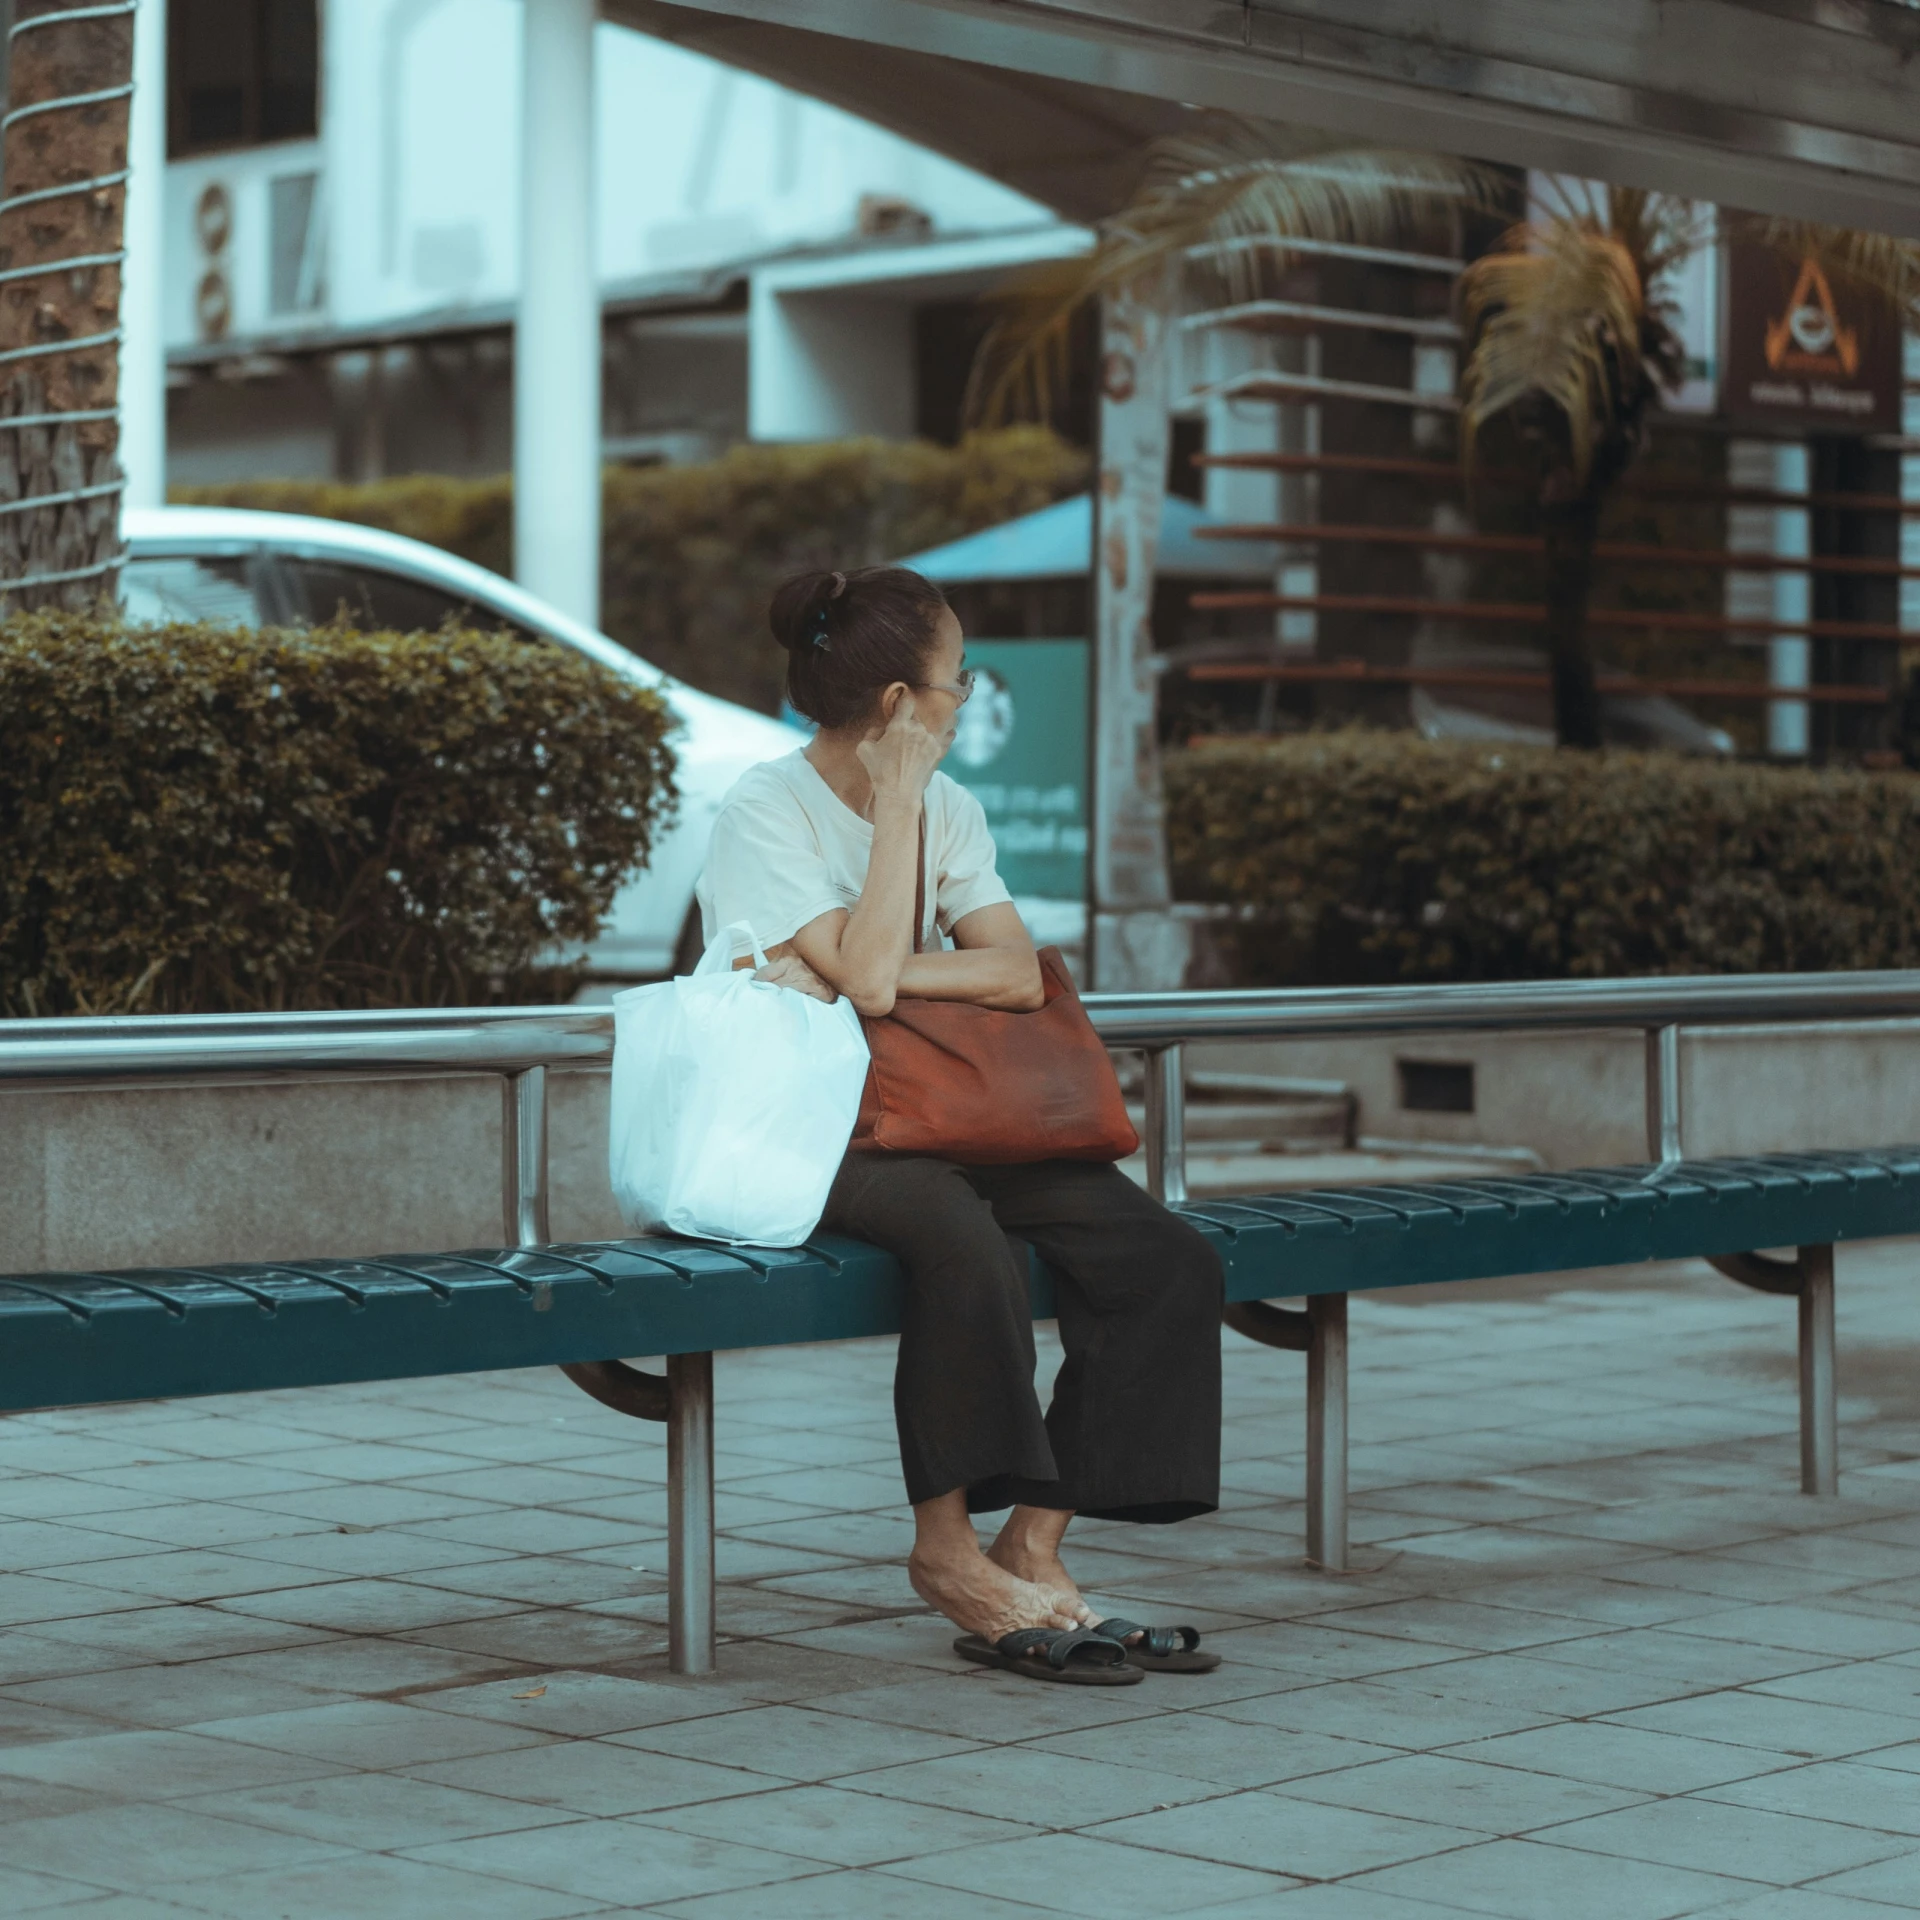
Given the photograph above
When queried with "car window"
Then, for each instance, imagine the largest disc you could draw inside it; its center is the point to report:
(370, 599)
(161, 587)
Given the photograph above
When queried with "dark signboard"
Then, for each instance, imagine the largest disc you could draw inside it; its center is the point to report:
(1803, 353)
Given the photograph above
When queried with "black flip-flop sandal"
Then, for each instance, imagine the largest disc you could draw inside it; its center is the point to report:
(1158, 1649)
(1074, 1656)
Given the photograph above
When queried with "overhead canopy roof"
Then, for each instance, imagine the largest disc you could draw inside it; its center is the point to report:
(1054, 543)
(1807, 107)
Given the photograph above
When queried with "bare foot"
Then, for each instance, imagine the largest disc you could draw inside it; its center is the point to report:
(1040, 1565)
(980, 1597)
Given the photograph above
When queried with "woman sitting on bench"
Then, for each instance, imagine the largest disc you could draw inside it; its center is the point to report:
(818, 851)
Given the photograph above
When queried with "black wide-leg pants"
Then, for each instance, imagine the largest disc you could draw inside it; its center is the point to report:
(1134, 1429)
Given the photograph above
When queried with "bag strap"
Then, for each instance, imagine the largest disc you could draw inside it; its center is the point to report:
(920, 882)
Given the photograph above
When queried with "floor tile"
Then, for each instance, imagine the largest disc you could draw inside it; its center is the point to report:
(1780, 1849)
(1616, 1756)
(1068, 1873)
(1894, 1882)
(596, 1777)
(606, 1860)
(373, 1888)
(1278, 1835)
(1877, 1798)
(140, 1848)
(373, 1734)
(796, 1743)
(570, 1703)
(843, 1825)
(1460, 1793)
(1210, 1747)
(1522, 1880)
(152, 1765)
(1805, 1729)
(377, 1812)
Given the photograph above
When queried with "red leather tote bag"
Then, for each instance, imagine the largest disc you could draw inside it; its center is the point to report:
(989, 1088)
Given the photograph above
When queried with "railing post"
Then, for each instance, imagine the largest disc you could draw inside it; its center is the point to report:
(1663, 1099)
(690, 1621)
(523, 1157)
(1166, 1141)
(1819, 1400)
(1327, 1431)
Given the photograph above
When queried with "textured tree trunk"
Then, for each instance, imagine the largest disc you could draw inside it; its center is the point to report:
(60, 241)
(1569, 527)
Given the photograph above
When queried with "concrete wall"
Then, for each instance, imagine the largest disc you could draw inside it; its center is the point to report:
(191, 1175)
(1578, 1099)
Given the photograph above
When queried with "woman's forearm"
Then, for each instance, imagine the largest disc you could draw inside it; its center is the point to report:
(1005, 977)
(877, 938)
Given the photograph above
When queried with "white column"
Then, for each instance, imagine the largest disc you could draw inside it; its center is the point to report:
(556, 349)
(143, 347)
(1780, 466)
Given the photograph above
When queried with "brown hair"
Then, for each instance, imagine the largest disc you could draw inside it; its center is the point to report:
(847, 635)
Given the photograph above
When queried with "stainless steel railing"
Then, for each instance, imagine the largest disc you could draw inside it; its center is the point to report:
(521, 1043)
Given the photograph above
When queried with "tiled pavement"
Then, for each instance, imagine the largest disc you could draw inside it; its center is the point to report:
(396, 1650)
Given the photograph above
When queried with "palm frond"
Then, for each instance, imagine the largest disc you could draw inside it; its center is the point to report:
(1555, 313)
(1228, 196)
(1575, 309)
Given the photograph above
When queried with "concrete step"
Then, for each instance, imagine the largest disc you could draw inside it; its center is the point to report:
(1218, 1176)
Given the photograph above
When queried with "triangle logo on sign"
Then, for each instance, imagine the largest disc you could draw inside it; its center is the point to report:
(1808, 336)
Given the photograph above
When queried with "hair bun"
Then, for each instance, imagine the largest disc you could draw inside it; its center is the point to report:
(799, 607)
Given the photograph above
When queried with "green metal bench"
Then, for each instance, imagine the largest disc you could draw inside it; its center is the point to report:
(77, 1338)
(70, 1338)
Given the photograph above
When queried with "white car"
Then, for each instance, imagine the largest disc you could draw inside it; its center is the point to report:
(283, 569)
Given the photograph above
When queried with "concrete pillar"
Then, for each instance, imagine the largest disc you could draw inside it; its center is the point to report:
(1138, 943)
(556, 349)
(143, 350)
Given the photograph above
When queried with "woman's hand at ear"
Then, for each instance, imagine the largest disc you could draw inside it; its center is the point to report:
(903, 757)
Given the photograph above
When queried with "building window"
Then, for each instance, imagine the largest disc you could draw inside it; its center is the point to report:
(241, 73)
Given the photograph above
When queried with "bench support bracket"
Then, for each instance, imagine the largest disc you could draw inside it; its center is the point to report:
(623, 1388)
(1808, 1277)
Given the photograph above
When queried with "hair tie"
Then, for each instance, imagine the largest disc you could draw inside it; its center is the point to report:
(819, 635)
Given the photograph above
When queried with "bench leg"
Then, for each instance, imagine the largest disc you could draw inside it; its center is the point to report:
(1327, 1431)
(1819, 1404)
(690, 1512)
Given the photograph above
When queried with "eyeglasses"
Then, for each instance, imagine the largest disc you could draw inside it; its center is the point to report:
(961, 689)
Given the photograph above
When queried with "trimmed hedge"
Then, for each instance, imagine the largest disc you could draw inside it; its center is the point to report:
(1367, 857)
(204, 819)
(691, 553)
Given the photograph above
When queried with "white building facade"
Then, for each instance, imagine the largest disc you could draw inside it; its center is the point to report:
(343, 241)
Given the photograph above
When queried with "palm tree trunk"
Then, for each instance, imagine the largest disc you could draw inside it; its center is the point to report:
(61, 224)
(1569, 527)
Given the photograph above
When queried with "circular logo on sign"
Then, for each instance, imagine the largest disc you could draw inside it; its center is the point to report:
(986, 721)
(1812, 328)
(1116, 376)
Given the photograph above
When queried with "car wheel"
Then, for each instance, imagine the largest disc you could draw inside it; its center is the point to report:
(691, 944)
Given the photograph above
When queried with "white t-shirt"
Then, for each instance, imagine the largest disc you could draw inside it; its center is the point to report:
(786, 849)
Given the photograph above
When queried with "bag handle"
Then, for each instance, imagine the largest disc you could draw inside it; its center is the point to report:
(920, 881)
(726, 944)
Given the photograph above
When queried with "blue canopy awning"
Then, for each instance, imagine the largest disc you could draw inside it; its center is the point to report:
(1056, 543)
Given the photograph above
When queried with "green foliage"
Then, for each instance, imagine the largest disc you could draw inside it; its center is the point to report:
(203, 819)
(692, 553)
(1368, 857)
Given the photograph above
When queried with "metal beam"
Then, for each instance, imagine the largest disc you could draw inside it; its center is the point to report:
(1792, 106)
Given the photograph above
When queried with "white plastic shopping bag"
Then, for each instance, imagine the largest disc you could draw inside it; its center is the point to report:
(733, 1101)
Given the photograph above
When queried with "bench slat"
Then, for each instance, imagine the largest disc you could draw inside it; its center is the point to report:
(67, 1339)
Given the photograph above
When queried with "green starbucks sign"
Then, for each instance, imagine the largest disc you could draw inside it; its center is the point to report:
(1021, 749)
